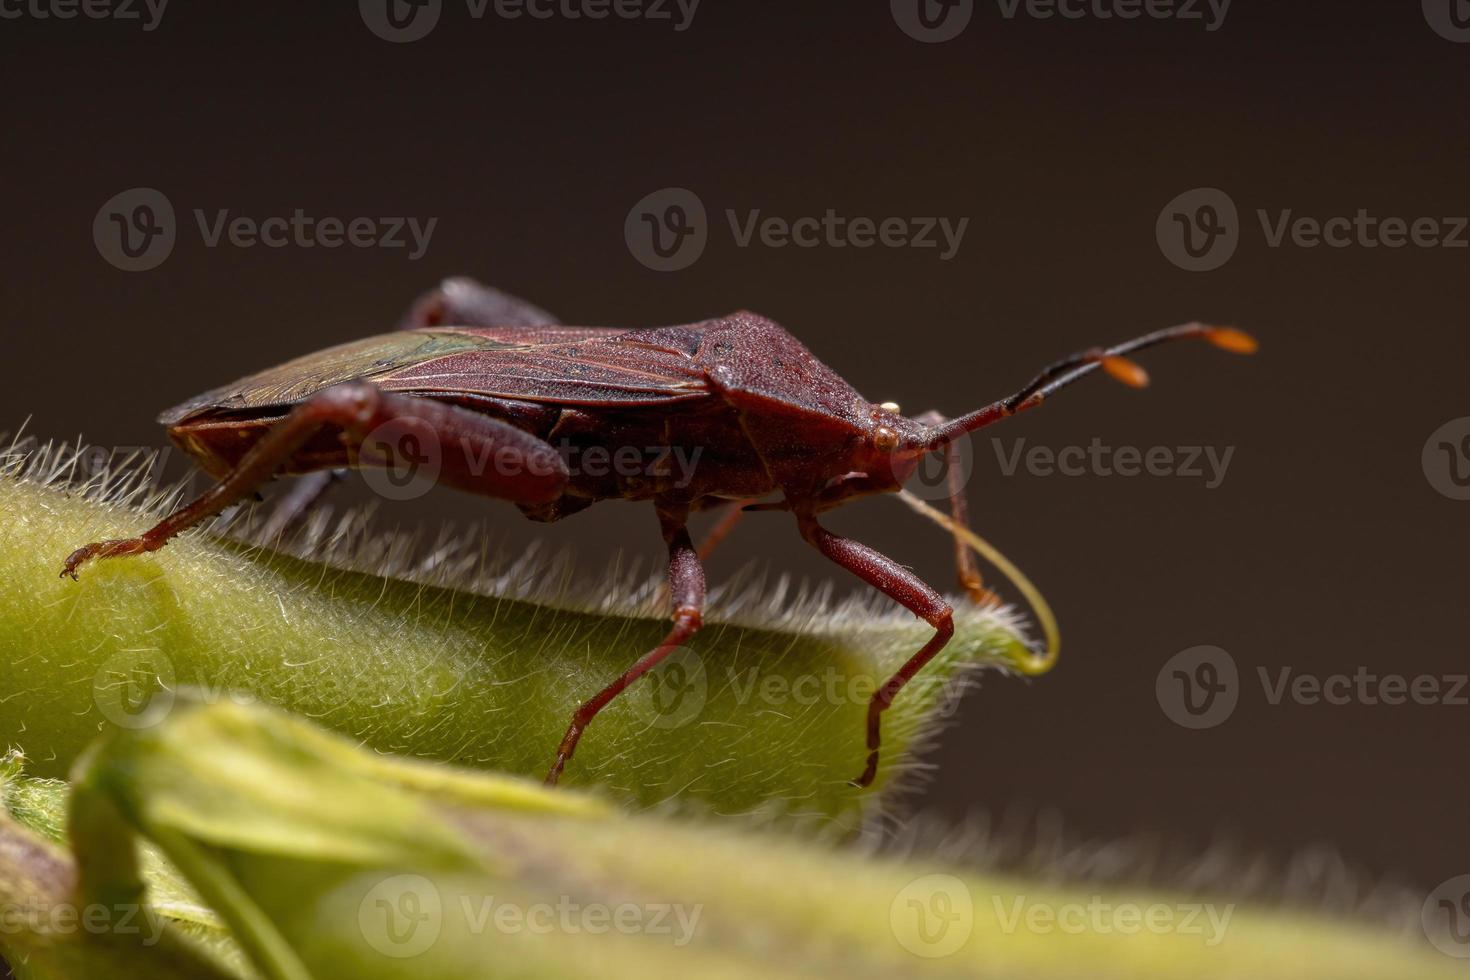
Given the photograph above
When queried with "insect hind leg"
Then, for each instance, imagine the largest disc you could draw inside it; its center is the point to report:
(494, 458)
(461, 301)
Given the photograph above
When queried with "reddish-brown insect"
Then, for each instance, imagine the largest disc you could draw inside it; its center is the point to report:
(507, 397)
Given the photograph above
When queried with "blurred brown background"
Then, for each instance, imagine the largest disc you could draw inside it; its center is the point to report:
(1325, 548)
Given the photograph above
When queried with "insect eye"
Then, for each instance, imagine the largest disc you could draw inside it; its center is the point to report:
(885, 439)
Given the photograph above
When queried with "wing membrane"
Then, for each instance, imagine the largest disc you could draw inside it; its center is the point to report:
(606, 367)
(564, 365)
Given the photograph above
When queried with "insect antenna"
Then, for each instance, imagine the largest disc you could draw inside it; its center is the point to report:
(1113, 360)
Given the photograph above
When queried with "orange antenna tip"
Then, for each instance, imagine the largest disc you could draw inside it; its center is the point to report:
(1129, 372)
(1233, 340)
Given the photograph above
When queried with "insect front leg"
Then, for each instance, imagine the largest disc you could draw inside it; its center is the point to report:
(686, 588)
(904, 587)
(525, 468)
(967, 569)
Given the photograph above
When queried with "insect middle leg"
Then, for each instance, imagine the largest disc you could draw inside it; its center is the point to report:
(686, 588)
(904, 587)
(525, 469)
(298, 503)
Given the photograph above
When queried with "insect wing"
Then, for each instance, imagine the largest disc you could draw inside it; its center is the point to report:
(564, 365)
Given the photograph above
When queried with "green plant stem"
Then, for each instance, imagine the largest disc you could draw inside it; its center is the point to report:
(754, 715)
(326, 860)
